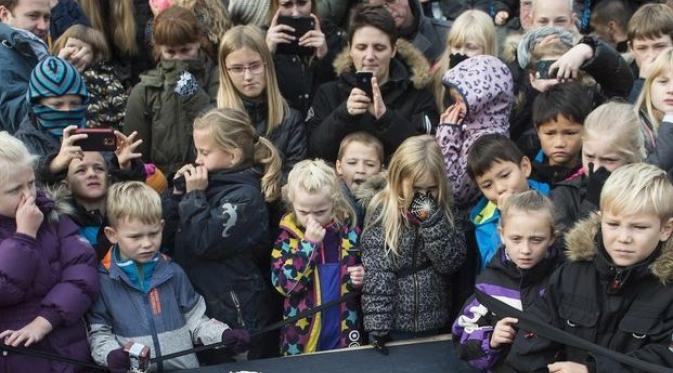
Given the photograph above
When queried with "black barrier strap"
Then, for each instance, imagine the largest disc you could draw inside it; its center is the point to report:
(49, 356)
(557, 335)
(274, 326)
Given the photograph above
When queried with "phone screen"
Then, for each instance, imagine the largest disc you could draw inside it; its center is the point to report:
(363, 81)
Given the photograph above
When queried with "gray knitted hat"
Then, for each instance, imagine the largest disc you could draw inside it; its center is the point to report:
(250, 12)
(531, 38)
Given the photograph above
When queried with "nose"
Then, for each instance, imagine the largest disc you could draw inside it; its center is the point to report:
(624, 235)
(526, 248)
(295, 11)
(369, 53)
(559, 142)
(500, 188)
(43, 24)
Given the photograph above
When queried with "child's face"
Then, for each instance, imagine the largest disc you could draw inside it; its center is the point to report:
(18, 184)
(600, 152)
(561, 141)
(247, 72)
(526, 235)
(185, 52)
(470, 48)
(645, 51)
(504, 179)
(87, 177)
(631, 238)
(62, 103)
(210, 155)
(313, 206)
(136, 240)
(662, 92)
(427, 185)
(358, 163)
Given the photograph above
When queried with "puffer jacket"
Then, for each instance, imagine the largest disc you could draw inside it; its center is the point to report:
(427, 34)
(52, 275)
(486, 86)
(163, 119)
(627, 310)
(410, 292)
(411, 108)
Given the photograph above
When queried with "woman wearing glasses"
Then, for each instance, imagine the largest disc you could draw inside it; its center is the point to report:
(248, 82)
(163, 106)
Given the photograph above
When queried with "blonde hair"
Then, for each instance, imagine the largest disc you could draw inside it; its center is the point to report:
(14, 155)
(364, 138)
(123, 26)
(529, 201)
(314, 176)
(471, 25)
(132, 200)
(650, 21)
(93, 37)
(638, 188)
(250, 37)
(415, 158)
(617, 123)
(663, 64)
(231, 129)
(93, 11)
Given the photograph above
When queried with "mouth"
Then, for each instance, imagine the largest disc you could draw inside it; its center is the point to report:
(94, 184)
(669, 101)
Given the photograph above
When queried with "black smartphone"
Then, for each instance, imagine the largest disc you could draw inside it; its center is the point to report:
(301, 26)
(98, 140)
(542, 70)
(363, 81)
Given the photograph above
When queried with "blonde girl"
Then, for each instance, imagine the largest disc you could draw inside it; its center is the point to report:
(248, 82)
(472, 34)
(217, 222)
(410, 245)
(655, 107)
(316, 259)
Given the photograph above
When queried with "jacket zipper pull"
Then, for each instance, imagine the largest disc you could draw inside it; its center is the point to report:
(237, 304)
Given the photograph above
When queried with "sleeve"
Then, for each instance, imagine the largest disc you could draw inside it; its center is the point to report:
(70, 298)
(13, 106)
(380, 283)
(231, 227)
(137, 120)
(662, 156)
(292, 264)
(327, 125)
(101, 337)
(297, 143)
(609, 70)
(472, 332)
(135, 173)
(171, 216)
(19, 262)
(444, 245)
(45, 175)
(566, 207)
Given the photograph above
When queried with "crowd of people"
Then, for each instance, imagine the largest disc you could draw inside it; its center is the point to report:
(176, 173)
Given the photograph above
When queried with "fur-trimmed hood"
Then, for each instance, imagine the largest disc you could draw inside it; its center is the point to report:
(581, 247)
(417, 66)
(368, 190)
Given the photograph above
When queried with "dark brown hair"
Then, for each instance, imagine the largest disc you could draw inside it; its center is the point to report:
(375, 16)
(175, 26)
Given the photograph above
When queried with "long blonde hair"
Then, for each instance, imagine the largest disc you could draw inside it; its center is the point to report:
(415, 158)
(617, 122)
(120, 25)
(315, 176)
(663, 64)
(232, 129)
(470, 25)
(250, 37)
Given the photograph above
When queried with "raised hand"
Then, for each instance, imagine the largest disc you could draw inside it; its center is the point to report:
(126, 149)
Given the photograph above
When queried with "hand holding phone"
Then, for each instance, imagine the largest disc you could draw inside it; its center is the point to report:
(363, 81)
(299, 27)
(543, 71)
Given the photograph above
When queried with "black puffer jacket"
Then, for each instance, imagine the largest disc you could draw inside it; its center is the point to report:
(289, 138)
(411, 108)
(628, 310)
(570, 200)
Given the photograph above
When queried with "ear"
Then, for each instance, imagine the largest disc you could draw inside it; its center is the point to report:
(5, 13)
(612, 26)
(338, 167)
(666, 230)
(526, 166)
(500, 233)
(237, 156)
(111, 234)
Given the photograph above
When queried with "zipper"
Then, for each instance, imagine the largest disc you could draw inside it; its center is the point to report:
(415, 281)
(155, 336)
(237, 305)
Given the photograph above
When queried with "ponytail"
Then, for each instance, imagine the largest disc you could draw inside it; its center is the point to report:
(267, 155)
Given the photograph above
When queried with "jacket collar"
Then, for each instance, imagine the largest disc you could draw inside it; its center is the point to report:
(162, 271)
(14, 39)
(525, 276)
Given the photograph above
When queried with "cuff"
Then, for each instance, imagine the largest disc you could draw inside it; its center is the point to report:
(52, 316)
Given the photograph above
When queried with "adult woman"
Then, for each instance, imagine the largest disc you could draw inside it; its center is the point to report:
(300, 76)
(400, 107)
(248, 82)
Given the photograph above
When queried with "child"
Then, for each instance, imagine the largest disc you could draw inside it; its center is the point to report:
(481, 92)
(316, 259)
(410, 247)
(614, 290)
(47, 273)
(500, 171)
(519, 270)
(360, 158)
(216, 226)
(611, 138)
(558, 116)
(137, 280)
(655, 106)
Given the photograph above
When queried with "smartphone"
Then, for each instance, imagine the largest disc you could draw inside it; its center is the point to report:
(301, 26)
(542, 70)
(98, 140)
(363, 80)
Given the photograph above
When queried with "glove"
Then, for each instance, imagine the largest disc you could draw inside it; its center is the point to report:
(423, 206)
(238, 340)
(378, 341)
(456, 58)
(595, 183)
(187, 85)
(118, 361)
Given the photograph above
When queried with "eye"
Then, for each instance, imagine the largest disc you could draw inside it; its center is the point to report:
(640, 227)
(612, 224)
(505, 175)
(537, 239)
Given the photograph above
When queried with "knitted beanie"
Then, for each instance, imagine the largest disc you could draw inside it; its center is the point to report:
(54, 77)
(251, 12)
(533, 37)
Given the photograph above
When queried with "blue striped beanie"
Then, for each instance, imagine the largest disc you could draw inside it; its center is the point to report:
(54, 77)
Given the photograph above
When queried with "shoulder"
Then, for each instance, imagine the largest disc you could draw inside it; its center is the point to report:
(293, 117)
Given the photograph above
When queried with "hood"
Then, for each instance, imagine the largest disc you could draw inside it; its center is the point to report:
(414, 61)
(368, 190)
(224, 179)
(487, 88)
(580, 247)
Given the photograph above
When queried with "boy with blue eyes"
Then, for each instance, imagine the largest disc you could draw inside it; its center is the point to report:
(500, 170)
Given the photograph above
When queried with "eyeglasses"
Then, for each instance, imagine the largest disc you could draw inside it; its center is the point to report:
(255, 68)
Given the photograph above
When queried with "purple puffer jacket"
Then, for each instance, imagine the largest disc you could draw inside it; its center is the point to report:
(53, 276)
(486, 85)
